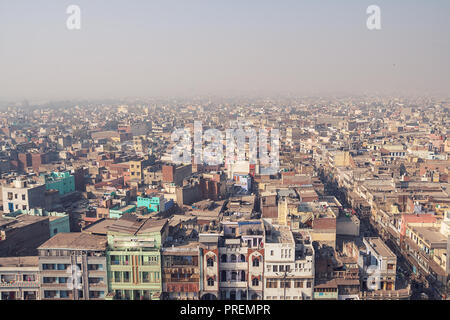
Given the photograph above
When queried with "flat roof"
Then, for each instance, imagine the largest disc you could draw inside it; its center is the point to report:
(30, 261)
(431, 234)
(75, 241)
(380, 247)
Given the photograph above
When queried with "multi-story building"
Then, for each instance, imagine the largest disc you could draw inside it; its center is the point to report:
(23, 195)
(156, 203)
(289, 264)
(64, 182)
(378, 265)
(22, 235)
(176, 174)
(209, 257)
(181, 272)
(19, 278)
(136, 171)
(73, 267)
(241, 260)
(134, 258)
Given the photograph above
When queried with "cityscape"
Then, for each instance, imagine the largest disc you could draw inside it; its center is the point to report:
(244, 196)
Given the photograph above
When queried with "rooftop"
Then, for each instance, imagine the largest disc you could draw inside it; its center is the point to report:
(75, 241)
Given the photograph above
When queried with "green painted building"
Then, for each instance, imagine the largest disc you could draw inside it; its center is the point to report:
(134, 258)
(64, 182)
(118, 212)
(59, 222)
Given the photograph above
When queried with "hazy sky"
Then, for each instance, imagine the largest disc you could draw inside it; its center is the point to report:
(183, 47)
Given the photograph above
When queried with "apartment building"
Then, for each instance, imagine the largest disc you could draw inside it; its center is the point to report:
(289, 264)
(134, 258)
(19, 278)
(241, 260)
(23, 195)
(209, 254)
(73, 267)
(378, 264)
(181, 272)
(22, 235)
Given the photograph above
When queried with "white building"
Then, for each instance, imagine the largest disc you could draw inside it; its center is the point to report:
(289, 264)
(241, 260)
(23, 195)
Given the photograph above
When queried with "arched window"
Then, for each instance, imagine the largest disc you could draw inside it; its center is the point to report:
(256, 262)
(210, 282)
(232, 295)
(223, 258)
(242, 275)
(255, 282)
(242, 258)
(233, 258)
(210, 262)
(223, 276)
(234, 275)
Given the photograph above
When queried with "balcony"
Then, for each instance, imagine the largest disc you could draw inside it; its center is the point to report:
(233, 284)
(21, 284)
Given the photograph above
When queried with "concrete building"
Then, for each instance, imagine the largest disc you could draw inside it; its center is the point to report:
(378, 265)
(64, 182)
(21, 236)
(289, 264)
(134, 258)
(241, 260)
(156, 203)
(19, 278)
(23, 195)
(176, 174)
(209, 253)
(181, 272)
(73, 267)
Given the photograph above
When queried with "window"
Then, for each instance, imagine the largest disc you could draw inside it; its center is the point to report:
(210, 282)
(223, 258)
(271, 283)
(256, 262)
(210, 262)
(285, 284)
(223, 276)
(275, 268)
(255, 282)
(282, 268)
(233, 258)
(242, 258)
(298, 284)
(308, 284)
(271, 252)
(23, 197)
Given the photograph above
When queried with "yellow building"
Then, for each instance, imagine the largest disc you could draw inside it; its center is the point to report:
(136, 170)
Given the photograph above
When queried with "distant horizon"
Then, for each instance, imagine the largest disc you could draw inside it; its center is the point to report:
(119, 100)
